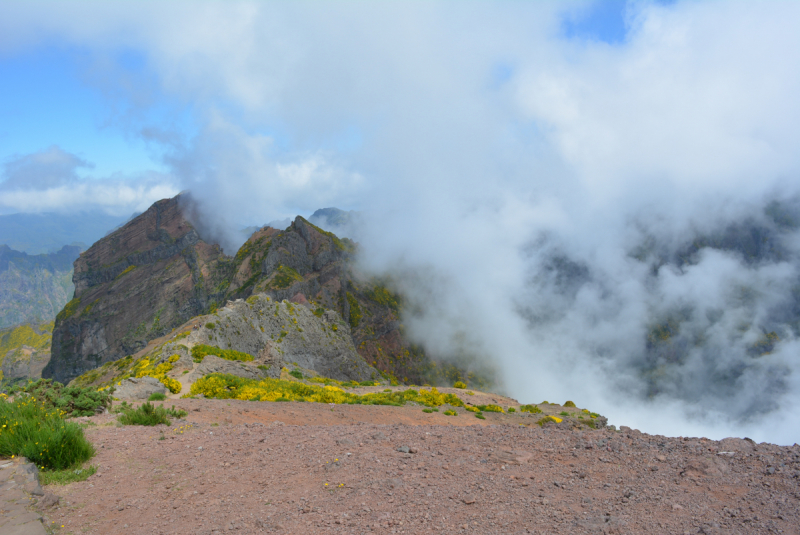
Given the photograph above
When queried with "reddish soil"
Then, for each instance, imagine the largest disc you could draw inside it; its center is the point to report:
(245, 467)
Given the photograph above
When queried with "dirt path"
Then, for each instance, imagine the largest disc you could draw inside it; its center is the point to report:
(245, 467)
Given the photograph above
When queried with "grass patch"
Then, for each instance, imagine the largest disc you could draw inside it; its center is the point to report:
(157, 396)
(480, 416)
(30, 429)
(297, 374)
(66, 476)
(533, 409)
(149, 414)
(490, 408)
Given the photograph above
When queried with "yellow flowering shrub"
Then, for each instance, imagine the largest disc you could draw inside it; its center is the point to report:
(547, 419)
(473, 409)
(459, 384)
(533, 409)
(222, 386)
(569, 404)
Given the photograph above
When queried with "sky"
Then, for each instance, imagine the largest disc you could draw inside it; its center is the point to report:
(543, 178)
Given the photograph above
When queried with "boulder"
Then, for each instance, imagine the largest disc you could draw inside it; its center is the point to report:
(139, 388)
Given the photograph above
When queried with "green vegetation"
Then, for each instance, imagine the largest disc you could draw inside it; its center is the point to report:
(459, 384)
(569, 404)
(66, 476)
(548, 419)
(285, 277)
(200, 351)
(222, 386)
(355, 310)
(126, 271)
(450, 412)
(490, 408)
(70, 400)
(69, 310)
(157, 396)
(381, 295)
(512, 409)
(533, 409)
(563, 413)
(480, 416)
(211, 325)
(297, 374)
(30, 429)
(149, 414)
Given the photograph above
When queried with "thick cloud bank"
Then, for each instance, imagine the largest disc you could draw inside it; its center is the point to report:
(611, 223)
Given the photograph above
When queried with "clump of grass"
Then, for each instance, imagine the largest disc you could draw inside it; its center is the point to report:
(512, 409)
(480, 416)
(71, 400)
(459, 384)
(569, 404)
(533, 409)
(427, 410)
(149, 414)
(563, 413)
(29, 428)
(66, 476)
(473, 409)
(450, 412)
(157, 396)
(297, 374)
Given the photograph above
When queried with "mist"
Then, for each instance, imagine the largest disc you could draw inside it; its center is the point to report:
(611, 223)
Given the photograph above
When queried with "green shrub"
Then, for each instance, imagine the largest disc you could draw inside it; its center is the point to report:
(427, 410)
(563, 413)
(533, 409)
(149, 414)
(157, 396)
(297, 374)
(30, 429)
(211, 325)
(512, 409)
(480, 415)
(450, 412)
(569, 404)
(200, 351)
(490, 408)
(72, 400)
(459, 384)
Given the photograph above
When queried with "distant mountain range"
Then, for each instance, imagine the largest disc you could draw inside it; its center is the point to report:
(33, 288)
(46, 233)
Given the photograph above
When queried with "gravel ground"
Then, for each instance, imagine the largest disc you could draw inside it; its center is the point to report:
(244, 467)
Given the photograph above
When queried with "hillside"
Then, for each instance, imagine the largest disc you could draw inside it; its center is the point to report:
(155, 273)
(34, 288)
(24, 351)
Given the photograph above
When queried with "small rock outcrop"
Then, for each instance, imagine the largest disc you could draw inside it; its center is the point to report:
(139, 388)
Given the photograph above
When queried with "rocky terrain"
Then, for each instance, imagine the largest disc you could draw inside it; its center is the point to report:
(152, 275)
(245, 467)
(34, 288)
(270, 335)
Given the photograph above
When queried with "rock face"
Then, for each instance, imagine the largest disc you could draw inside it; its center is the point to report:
(141, 388)
(134, 285)
(276, 335)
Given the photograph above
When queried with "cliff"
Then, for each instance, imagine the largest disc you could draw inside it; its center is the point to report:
(136, 284)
